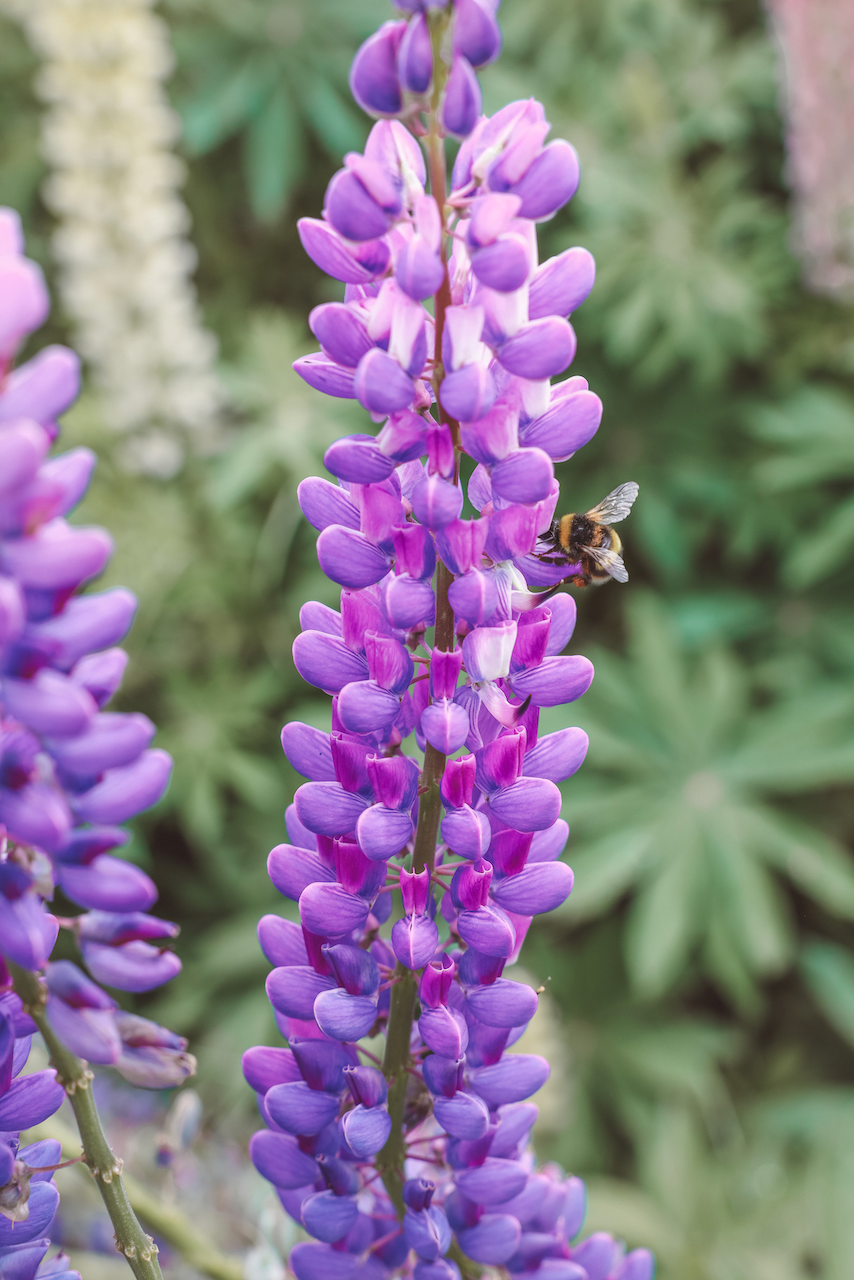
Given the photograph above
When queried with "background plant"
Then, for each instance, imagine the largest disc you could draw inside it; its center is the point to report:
(730, 398)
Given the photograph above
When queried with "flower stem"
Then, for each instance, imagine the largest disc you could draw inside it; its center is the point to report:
(74, 1075)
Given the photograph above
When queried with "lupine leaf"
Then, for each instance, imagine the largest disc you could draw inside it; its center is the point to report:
(275, 155)
(829, 973)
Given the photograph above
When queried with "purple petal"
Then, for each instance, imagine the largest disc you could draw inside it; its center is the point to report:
(43, 388)
(326, 375)
(348, 558)
(462, 1116)
(512, 532)
(352, 210)
(504, 1003)
(492, 1182)
(477, 35)
(530, 804)
(466, 832)
(126, 791)
(493, 1241)
(30, 1101)
(567, 425)
(91, 1033)
(277, 1158)
(461, 104)
(517, 1121)
(548, 845)
(111, 739)
(444, 1031)
(107, 884)
(468, 394)
(43, 1204)
(563, 611)
(373, 76)
(474, 597)
(320, 1262)
(561, 284)
(329, 910)
(409, 602)
(27, 932)
(329, 1217)
(419, 270)
(293, 990)
(415, 56)
(327, 809)
(136, 966)
(264, 1067)
(516, 1077)
(314, 616)
(598, 1255)
(364, 707)
(25, 302)
(539, 349)
(298, 1109)
(366, 1130)
(414, 940)
(445, 725)
(354, 264)
(383, 833)
(550, 181)
(292, 870)
(555, 681)
(505, 264)
(358, 460)
(281, 941)
(87, 623)
(341, 332)
(342, 1016)
(36, 814)
(487, 930)
(101, 673)
(308, 751)
(381, 386)
(23, 445)
(637, 1265)
(324, 504)
(525, 476)
(557, 756)
(49, 703)
(487, 651)
(326, 662)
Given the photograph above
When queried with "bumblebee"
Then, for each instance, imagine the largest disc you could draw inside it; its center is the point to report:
(589, 540)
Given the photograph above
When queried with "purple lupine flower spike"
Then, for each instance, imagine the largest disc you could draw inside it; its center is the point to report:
(431, 810)
(69, 771)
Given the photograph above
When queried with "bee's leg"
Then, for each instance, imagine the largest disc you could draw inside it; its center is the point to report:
(556, 560)
(579, 582)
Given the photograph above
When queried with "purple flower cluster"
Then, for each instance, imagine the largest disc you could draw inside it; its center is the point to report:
(70, 773)
(405, 1169)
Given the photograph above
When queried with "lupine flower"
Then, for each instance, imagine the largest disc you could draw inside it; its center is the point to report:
(70, 771)
(380, 1179)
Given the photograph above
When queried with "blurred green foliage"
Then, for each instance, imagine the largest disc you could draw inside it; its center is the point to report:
(703, 967)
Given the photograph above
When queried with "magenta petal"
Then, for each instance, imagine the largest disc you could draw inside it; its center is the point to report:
(523, 476)
(493, 1240)
(49, 703)
(277, 1158)
(516, 1077)
(43, 388)
(445, 725)
(354, 264)
(530, 804)
(342, 1016)
(504, 1003)
(466, 832)
(330, 911)
(562, 625)
(366, 1130)
(492, 1182)
(381, 386)
(324, 504)
(462, 1116)
(326, 375)
(468, 393)
(414, 940)
(124, 792)
(107, 884)
(348, 558)
(327, 809)
(364, 707)
(539, 349)
(555, 681)
(382, 833)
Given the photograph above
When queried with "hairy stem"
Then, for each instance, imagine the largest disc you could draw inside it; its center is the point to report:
(74, 1075)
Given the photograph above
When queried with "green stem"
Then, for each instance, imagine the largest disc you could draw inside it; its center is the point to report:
(74, 1075)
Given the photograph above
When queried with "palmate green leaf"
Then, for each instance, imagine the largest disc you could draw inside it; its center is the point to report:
(829, 973)
(815, 427)
(227, 101)
(820, 553)
(333, 118)
(671, 808)
(275, 154)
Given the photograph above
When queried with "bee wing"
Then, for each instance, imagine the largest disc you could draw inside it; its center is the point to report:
(609, 561)
(617, 505)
